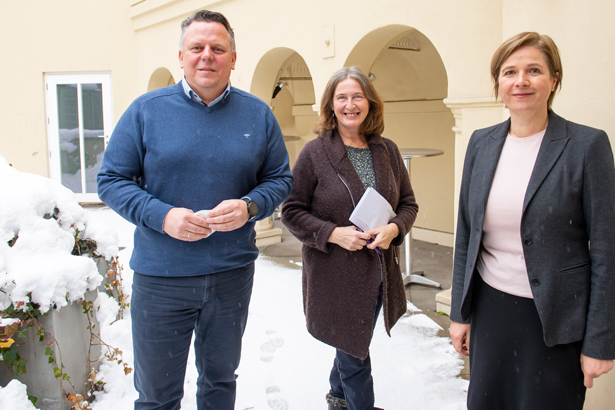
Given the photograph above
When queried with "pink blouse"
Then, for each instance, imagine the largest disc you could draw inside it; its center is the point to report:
(501, 262)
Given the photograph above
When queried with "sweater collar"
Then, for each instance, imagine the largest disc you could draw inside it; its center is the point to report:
(194, 96)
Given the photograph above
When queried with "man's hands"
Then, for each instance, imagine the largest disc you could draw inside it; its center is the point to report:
(185, 225)
(228, 215)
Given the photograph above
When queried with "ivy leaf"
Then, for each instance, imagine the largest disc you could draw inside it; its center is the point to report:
(20, 367)
(9, 355)
(57, 372)
(48, 351)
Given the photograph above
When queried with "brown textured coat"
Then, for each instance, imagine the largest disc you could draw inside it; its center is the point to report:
(340, 287)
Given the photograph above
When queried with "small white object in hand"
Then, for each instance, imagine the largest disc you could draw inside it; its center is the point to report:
(203, 214)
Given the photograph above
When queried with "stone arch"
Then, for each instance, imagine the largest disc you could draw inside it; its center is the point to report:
(411, 78)
(293, 103)
(161, 77)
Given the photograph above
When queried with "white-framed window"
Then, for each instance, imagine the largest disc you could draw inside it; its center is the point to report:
(79, 123)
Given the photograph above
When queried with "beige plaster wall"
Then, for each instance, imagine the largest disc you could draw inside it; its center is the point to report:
(585, 35)
(463, 33)
(420, 125)
(38, 37)
(137, 41)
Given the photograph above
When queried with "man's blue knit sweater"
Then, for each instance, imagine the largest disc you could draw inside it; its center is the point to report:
(169, 151)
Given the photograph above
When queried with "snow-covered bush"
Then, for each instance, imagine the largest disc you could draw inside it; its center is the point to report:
(48, 259)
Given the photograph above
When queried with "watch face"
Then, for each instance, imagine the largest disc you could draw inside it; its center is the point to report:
(253, 208)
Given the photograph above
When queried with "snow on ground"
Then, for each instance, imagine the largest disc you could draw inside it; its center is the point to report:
(282, 366)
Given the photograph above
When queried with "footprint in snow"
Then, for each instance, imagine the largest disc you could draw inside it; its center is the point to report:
(268, 348)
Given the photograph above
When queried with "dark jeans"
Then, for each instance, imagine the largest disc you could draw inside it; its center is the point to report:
(165, 312)
(351, 378)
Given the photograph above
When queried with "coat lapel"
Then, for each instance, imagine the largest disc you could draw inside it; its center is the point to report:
(382, 167)
(551, 148)
(336, 151)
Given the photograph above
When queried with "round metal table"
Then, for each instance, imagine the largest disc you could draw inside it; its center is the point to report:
(411, 277)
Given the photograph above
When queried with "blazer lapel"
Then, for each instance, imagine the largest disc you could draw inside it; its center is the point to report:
(551, 148)
(486, 166)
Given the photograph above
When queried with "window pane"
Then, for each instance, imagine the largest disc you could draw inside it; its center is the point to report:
(68, 124)
(93, 133)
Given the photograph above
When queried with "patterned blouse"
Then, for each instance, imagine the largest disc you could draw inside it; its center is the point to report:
(361, 159)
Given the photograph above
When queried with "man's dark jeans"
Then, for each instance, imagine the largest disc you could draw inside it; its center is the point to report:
(166, 311)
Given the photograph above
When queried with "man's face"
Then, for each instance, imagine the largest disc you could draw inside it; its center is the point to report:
(207, 59)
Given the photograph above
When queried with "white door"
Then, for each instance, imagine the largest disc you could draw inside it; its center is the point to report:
(79, 123)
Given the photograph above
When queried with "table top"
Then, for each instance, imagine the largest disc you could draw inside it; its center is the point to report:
(407, 153)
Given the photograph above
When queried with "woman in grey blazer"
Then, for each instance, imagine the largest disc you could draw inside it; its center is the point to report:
(536, 299)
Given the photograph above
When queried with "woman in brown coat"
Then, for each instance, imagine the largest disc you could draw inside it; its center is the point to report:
(349, 275)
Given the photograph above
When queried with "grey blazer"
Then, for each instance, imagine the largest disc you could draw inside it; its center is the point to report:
(569, 202)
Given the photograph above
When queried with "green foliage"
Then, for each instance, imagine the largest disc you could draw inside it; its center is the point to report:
(15, 362)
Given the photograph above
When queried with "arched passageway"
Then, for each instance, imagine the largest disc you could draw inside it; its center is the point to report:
(283, 80)
(162, 77)
(410, 76)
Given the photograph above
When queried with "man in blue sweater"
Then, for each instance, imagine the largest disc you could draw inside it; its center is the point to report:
(197, 145)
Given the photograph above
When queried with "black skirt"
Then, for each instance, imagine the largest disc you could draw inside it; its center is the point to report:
(511, 367)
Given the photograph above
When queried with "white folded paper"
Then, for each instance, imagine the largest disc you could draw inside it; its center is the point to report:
(372, 211)
(203, 214)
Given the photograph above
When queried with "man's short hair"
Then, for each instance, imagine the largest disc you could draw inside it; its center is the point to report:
(207, 16)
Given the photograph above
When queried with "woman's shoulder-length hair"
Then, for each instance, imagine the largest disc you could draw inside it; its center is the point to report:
(374, 121)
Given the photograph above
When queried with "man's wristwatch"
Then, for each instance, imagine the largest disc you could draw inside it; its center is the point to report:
(252, 208)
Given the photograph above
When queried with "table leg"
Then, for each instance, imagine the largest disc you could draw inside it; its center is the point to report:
(409, 276)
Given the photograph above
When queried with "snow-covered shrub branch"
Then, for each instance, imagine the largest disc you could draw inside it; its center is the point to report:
(48, 259)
